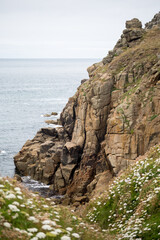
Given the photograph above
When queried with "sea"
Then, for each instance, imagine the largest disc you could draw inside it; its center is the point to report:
(29, 89)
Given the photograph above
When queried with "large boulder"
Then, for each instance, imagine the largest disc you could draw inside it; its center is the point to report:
(134, 23)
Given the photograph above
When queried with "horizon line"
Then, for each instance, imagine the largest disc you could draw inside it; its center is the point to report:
(5, 58)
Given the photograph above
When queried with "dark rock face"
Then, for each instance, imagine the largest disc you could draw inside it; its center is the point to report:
(112, 119)
(67, 117)
(154, 22)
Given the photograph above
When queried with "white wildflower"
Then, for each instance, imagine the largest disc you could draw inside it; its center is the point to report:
(55, 212)
(58, 230)
(53, 223)
(17, 229)
(6, 224)
(23, 231)
(29, 202)
(76, 235)
(33, 219)
(19, 192)
(69, 229)
(65, 237)
(13, 208)
(10, 196)
(47, 227)
(15, 216)
(15, 203)
(32, 230)
(54, 233)
(41, 235)
(45, 206)
(20, 197)
(46, 222)
(17, 189)
(30, 234)
(34, 238)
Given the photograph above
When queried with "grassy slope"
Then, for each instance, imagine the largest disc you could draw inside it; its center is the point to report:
(23, 212)
(131, 207)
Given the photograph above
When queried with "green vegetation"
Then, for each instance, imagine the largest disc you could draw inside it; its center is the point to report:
(125, 119)
(132, 131)
(133, 87)
(131, 208)
(25, 215)
(153, 117)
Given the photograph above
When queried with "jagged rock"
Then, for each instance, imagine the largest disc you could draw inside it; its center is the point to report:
(132, 32)
(91, 70)
(91, 186)
(59, 180)
(67, 171)
(49, 115)
(54, 113)
(44, 147)
(55, 122)
(71, 153)
(80, 199)
(83, 81)
(67, 117)
(154, 22)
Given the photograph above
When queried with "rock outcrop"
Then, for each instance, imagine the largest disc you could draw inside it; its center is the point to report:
(154, 22)
(112, 119)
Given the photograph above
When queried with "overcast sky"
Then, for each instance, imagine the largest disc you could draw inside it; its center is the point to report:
(67, 28)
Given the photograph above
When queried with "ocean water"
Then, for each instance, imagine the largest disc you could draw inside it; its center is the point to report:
(28, 90)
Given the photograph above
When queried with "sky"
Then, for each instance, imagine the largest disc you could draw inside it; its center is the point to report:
(67, 28)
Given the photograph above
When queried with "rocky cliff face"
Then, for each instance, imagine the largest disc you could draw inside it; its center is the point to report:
(112, 119)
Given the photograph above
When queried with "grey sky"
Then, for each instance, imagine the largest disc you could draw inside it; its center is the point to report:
(67, 28)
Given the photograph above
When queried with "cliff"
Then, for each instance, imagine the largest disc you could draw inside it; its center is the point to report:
(113, 118)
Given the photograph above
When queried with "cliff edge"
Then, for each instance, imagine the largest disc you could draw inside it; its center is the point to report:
(113, 118)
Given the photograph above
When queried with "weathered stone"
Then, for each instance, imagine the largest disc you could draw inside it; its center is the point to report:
(71, 153)
(91, 186)
(84, 80)
(67, 171)
(59, 180)
(48, 131)
(154, 22)
(80, 199)
(134, 23)
(54, 113)
(132, 34)
(44, 147)
(56, 122)
(76, 204)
